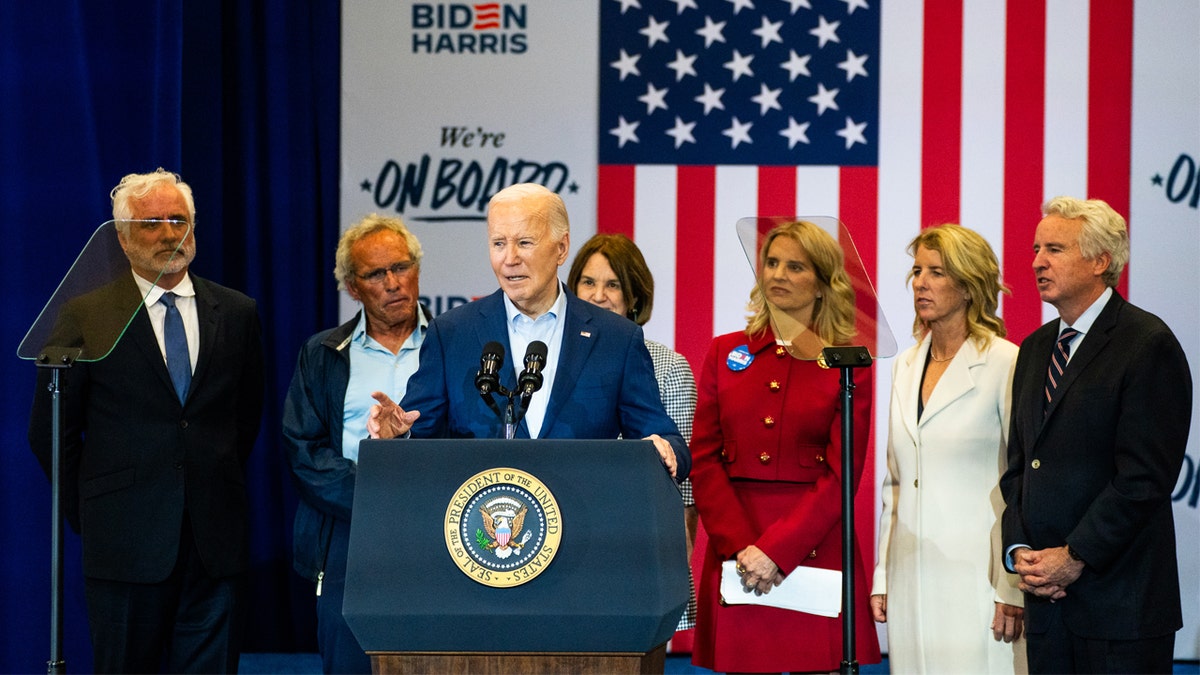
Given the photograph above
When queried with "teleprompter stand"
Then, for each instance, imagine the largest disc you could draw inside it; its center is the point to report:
(846, 359)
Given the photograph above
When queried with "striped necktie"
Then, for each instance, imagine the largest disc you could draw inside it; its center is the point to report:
(1058, 363)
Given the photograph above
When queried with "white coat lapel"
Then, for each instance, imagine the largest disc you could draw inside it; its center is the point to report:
(908, 387)
(955, 382)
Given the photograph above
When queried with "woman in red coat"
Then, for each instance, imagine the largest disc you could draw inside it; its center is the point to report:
(767, 460)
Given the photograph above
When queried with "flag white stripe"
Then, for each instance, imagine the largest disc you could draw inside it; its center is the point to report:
(982, 176)
(817, 192)
(655, 215)
(901, 76)
(1065, 146)
(737, 197)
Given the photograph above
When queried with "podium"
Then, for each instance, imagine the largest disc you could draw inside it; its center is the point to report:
(482, 555)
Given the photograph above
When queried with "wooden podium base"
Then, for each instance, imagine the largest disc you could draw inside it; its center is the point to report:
(503, 663)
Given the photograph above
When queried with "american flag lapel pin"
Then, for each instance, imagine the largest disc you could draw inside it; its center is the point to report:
(584, 333)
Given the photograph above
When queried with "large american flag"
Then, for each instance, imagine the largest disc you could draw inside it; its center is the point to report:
(891, 117)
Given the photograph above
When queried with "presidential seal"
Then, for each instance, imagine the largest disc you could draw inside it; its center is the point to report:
(502, 527)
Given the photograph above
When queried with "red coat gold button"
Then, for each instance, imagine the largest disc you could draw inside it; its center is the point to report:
(774, 385)
(768, 421)
(764, 458)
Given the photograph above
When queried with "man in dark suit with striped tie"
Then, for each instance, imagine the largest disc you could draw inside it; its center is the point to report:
(154, 439)
(1102, 401)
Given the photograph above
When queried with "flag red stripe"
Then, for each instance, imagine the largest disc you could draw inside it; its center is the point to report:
(941, 121)
(858, 209)
(776, 191)
(1110, 106)
(615, 184)
(696, 199)
(1024, 134)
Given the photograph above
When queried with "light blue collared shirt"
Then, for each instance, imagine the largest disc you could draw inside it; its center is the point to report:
(373, 368)
(549, 329)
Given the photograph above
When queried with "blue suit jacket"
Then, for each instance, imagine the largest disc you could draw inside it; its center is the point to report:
(604, 386)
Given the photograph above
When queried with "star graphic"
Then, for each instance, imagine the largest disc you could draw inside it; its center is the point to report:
(796, 65)
(681, 132)
(767, 99)
(825, 31)
(627, 64)
(738, 132)
(739, 5)
(797, 4)
(795, 133)
(852, 5)
(573, 188)
(654, 98)
(853, 65)
(626, 4)
(711, 98)
(824, 99)
(768, 32)
(682, 65)
(853, 133)
(365, 185)
(1156, 180)
(681, 5)
(712, 32)
(740, 65)
(625, 131)
(655, 32)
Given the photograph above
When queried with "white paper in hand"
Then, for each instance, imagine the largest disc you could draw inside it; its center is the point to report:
(806, 589)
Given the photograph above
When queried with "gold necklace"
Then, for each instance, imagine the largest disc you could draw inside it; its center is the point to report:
(936, 359)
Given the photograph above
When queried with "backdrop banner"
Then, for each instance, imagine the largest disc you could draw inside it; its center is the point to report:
(446, 103)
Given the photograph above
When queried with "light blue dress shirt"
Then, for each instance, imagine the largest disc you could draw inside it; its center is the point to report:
(373, 368)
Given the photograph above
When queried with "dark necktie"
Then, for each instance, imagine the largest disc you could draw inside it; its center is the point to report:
(178, 362)
(1058, 363)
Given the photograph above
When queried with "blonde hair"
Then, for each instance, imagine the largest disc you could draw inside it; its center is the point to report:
(833, 313)
(969, 261)
(343, 266)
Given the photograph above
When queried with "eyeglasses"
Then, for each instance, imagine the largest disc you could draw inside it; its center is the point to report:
(378, 276)
(154, 224)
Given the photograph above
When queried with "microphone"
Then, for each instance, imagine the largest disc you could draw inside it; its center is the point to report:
(531, 378)
(487, 380)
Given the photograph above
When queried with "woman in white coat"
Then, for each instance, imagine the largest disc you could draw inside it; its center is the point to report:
(940, 584)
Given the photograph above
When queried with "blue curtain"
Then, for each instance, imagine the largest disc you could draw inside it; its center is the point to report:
(241, 99)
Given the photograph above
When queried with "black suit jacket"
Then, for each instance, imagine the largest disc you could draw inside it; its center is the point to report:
(134, 459)
(1097, 470)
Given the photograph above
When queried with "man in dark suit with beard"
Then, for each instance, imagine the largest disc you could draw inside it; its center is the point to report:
(155, 436)
(1102, 402)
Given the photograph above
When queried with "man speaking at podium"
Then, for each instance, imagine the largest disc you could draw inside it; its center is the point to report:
(597, 380)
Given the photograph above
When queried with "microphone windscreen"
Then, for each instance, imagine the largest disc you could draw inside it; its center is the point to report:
(494, 349)
(537, 349)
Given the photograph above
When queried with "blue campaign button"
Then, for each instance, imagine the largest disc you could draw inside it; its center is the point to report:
(740, 358)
